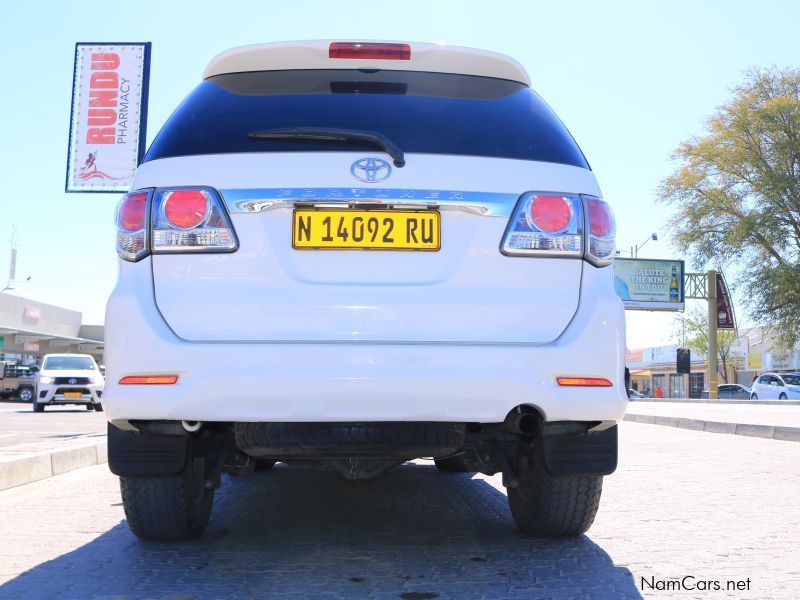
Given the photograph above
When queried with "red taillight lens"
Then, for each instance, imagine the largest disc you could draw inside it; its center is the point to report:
(583, 382)
(369, 50)
(149, 380)
(186, 209)
(550, 214)
(133, 211)
(600, 219)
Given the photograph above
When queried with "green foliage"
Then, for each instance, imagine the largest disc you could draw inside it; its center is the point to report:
(692, 329)
(737, 194)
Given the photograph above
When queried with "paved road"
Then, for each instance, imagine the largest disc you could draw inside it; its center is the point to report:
(22, 430)
(682, 503)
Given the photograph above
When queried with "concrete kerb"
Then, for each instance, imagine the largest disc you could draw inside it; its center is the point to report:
(788, 434)
(27, 468)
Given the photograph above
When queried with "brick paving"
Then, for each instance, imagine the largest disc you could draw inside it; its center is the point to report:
(681, 503)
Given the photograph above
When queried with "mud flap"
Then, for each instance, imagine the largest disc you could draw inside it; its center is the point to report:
(593, 453)
(132, 454)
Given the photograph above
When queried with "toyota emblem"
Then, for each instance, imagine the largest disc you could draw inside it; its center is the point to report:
(73, 381)
(371, 170)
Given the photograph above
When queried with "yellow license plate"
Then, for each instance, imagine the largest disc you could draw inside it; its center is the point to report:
(349, 229)
(72, 394)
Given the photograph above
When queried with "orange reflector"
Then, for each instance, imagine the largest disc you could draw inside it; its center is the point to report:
(149, 380)
(583, 381)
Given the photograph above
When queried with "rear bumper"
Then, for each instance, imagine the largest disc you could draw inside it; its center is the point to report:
(337, 382)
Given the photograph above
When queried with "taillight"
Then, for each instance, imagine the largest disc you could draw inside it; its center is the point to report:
(550, 214)
(370, 50)
(172, 220)
(190, 220)
(185, 209)
(602, 238)
(546, 225)
(132, 221)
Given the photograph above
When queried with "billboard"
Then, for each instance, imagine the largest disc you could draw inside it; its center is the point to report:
(108, 119)
(646, 284)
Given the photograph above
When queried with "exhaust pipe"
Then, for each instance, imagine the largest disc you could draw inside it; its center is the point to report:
(525, 423)
(192, 426)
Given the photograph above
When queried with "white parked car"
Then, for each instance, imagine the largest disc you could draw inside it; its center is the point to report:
(362, 254)
(69, 379)
(775, 386)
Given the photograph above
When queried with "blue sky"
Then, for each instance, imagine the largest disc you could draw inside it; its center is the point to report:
(629, 79)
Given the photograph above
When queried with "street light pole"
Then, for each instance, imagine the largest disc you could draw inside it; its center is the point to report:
(652, 236)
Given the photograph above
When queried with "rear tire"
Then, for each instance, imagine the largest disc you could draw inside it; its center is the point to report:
(753, 396)
(89, 407)
(548, 505)
(98, 407)
(782, 397)
(174, 507)
(453, 464)
(37, 407)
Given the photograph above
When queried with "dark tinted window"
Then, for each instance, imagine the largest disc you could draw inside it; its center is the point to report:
(421, 112)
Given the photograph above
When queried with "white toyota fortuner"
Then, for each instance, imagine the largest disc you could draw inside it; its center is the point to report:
(362, 253)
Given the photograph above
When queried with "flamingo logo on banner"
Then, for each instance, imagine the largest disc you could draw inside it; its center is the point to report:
(109, 112)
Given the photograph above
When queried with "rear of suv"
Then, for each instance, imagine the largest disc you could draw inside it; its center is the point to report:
(363, 253)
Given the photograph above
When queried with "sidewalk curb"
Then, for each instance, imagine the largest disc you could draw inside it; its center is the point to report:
(27, 468)
(770, 432)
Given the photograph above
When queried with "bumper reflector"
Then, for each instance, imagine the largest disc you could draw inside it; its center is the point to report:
(149, 380)
(583, 382)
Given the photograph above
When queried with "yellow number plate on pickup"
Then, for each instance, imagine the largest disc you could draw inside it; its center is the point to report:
(349, 229)
(72, 394)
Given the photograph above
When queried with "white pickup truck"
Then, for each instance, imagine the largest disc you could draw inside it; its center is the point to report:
(69, 379)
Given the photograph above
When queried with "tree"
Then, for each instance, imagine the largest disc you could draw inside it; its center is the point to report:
(692, 329)
(737, 194)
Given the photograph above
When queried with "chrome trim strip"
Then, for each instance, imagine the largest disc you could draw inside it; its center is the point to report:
(491, 204)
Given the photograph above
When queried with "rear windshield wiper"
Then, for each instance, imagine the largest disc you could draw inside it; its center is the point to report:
(325, 134)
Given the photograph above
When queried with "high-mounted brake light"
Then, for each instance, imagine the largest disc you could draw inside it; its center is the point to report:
(149, 380)
(132, 222)
(583, 382)
(190, 220)
(370, 50)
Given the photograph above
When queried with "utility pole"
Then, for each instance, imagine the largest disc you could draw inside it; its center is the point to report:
(12, 268)
(712, 335)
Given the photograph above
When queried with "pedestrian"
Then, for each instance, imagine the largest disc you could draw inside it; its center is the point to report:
(659, 392)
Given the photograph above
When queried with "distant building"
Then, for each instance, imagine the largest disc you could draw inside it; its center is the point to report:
(755, 351)
(30, 329)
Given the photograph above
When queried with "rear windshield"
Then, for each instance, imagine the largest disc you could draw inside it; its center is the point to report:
(68, 363)
(429, 113)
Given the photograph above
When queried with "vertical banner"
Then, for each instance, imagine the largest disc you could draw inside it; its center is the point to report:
(725, 317)
(109, 113)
